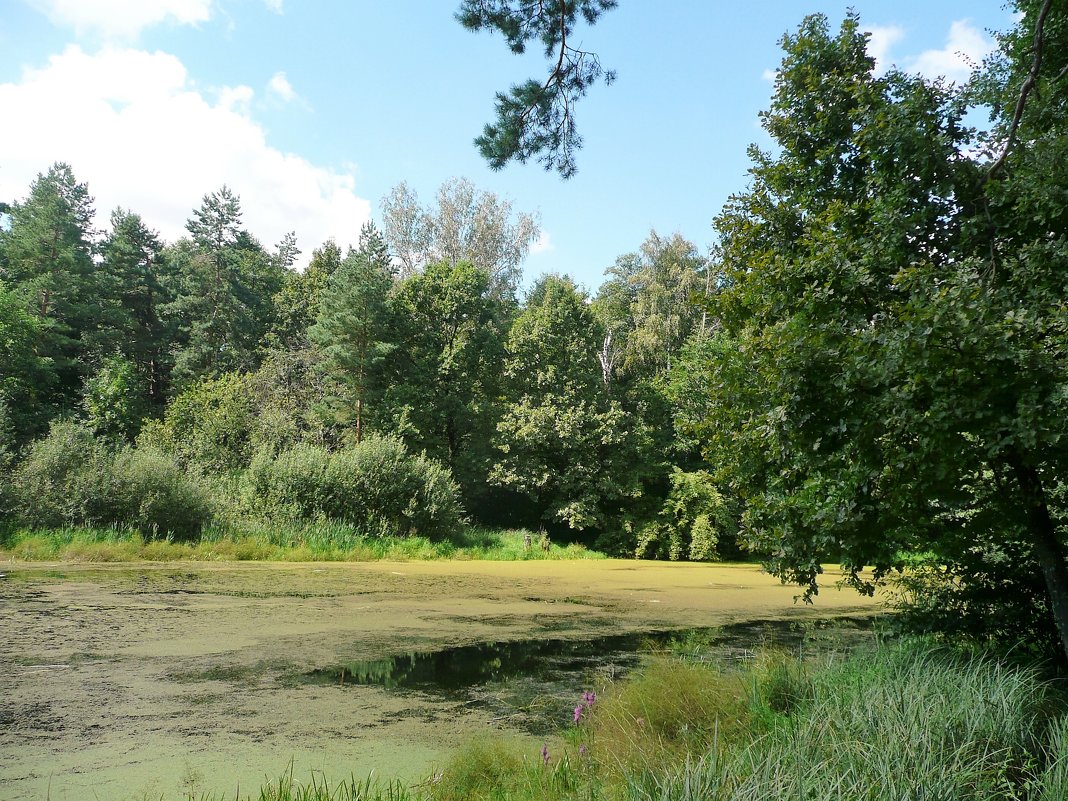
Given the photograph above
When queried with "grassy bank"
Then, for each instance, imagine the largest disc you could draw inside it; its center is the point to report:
(903, 721)
(319, 542)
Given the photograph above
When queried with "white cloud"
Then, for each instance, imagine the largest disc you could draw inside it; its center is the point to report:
(543, 244)
(122, 19)
(280, 87)
(965, 48)
(274, 5)
(881, 38)
(133, 127)
(769, 75)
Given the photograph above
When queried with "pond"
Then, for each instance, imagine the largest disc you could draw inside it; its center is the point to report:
(156, 680)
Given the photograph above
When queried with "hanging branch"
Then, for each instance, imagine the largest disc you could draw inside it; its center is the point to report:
(536, 118)
(1025, 90)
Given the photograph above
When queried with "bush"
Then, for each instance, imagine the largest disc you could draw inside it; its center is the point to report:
(690, 522)
(989, 594)
(376, 485)
(69, 478)
(291, 482)
(63, 480)
(7, 492)
(154, 496)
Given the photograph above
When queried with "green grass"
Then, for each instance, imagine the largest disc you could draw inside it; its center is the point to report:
(325, 541)
(286, 788)
(902, 722)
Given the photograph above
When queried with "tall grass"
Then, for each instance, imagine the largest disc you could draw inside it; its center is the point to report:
(241, 540)
(903, 722)
(286, 788)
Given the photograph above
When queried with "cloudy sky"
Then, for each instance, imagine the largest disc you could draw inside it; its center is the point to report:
(312, 111)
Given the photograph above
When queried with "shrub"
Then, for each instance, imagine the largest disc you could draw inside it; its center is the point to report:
(291, 482)
(69, 478)
(989, 594)
(209, 424)
(63, 479)
(116, 399)
(376, 485)
(154, 495)
(690, 522)
(7, 492)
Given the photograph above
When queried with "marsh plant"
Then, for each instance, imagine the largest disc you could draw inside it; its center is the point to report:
(899, 721)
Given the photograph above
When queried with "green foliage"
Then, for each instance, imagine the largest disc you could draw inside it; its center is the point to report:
(650, 305)
(116, 400)
(465, 224)
(292, 481)
(46, 260)
(536, 118)
(210, 425)
(888, 375)
(26, 377)
(141, 281)
(988, 594)
(444, 385)
(7, 456)
(690, 521)
(375, 485)
(297, 303)
(63, 478)
(351, 330)
(151, 494)
(562, 440)
(70, 478)
(224, 284)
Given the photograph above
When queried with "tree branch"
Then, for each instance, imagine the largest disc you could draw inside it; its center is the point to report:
(1025, 90)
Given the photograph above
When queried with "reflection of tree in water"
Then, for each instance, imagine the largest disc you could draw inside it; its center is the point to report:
(532, 683)
(466, 666)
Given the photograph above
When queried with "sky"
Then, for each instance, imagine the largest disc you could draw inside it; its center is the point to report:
(311, 110)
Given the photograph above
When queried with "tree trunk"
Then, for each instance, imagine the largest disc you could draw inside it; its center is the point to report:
(1048, 548)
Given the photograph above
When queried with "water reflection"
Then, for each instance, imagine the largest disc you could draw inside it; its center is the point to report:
(455, 669)
(462, 667)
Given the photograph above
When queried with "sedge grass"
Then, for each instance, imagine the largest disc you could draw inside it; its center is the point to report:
(317, 788)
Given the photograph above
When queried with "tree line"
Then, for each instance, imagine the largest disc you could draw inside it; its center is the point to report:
(551, 410)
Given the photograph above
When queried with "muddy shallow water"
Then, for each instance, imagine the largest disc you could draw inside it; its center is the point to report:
(154, 680)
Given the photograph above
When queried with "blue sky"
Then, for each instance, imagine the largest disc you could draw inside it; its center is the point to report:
(313, 110)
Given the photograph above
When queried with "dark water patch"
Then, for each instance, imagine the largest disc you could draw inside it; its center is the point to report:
(451, 670)
(457, 669)
(533, 684)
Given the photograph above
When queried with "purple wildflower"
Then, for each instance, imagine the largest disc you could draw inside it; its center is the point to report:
(588, 698)
(578, 713)
(545, 753)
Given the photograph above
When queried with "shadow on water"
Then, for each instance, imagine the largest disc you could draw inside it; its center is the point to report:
(533, 681)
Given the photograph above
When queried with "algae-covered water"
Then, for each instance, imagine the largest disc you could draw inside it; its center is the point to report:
(155, 681)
